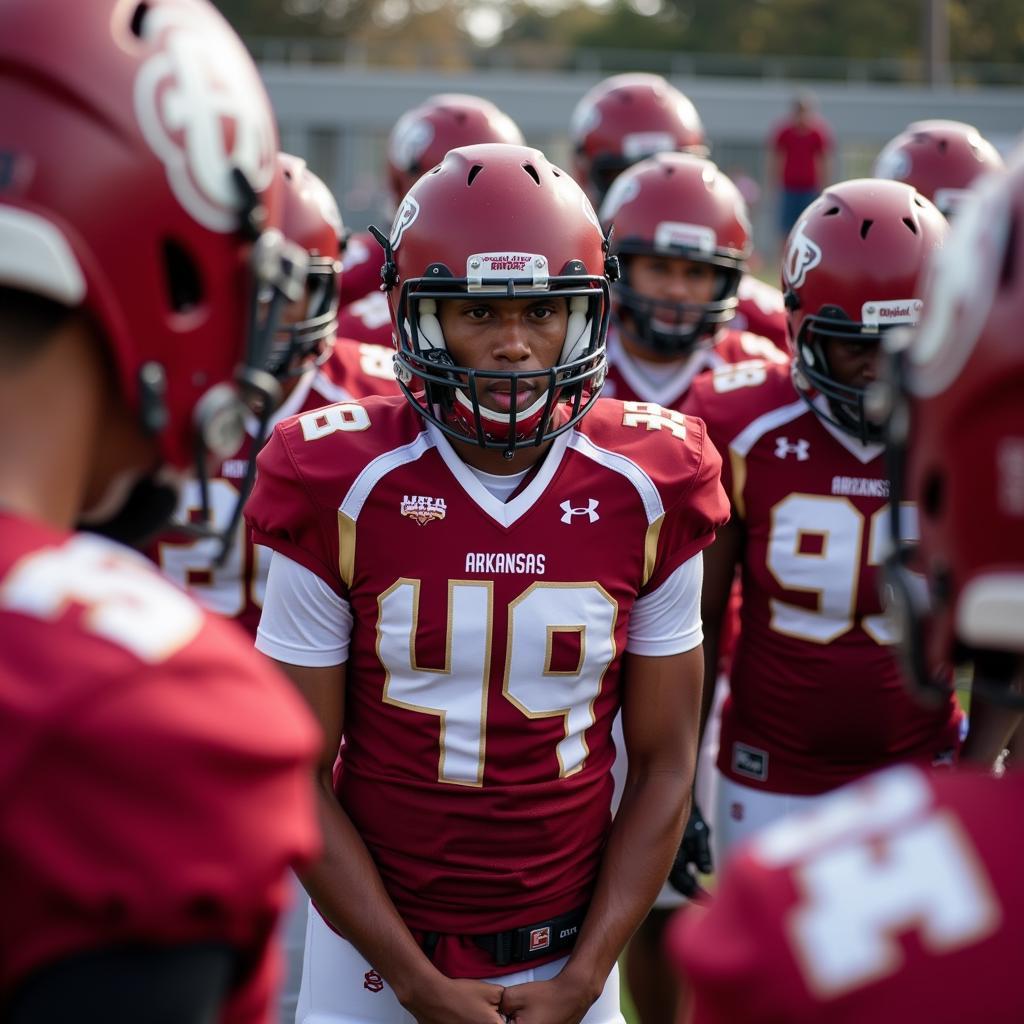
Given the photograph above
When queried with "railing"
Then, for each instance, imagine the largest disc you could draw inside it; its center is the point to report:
(414, 55)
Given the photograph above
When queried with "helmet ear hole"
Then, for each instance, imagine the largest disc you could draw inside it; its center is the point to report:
(182, 278)
(138, 18)
(933, 495)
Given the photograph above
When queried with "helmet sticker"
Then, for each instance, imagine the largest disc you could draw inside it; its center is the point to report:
(801, 256)
(494, 267)
(637, 145)
(670, 234)
(201, 109)
(883, 313)
(407, 214)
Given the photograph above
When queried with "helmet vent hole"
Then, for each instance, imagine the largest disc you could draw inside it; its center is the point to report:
(1008, 270)
(532, 172)
(473, 172)
(910, 224)
(943, 145)
(933, 495)
(832, 211)
(138, 18)
(181, 275)
(865, 227)
(556, 172)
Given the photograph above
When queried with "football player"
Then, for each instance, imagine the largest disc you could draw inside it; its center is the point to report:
(154, 770)
(900, 897)
(467, 584)
(679, 227)
(314, 368)
(816, 697)
(940, 159)
(418, 142)
(629, 117)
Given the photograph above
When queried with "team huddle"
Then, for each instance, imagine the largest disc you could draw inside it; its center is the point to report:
(499, 573)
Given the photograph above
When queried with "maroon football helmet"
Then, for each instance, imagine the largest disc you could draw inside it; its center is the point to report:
(957, 444)
(139, 184)
(626, 118)
(497, 221)
(850, 271)
(939, 158)
(309, 218)
(676, 204)
(422, 136)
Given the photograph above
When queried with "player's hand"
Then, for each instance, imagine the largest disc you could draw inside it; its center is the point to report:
(693, 855)
(457, 1001)
(557, 1001)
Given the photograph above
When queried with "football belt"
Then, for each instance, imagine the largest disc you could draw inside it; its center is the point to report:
(519, 945)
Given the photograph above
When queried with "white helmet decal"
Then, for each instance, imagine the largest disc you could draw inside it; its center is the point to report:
(409, 140)
(200, 107)
(801, 256)
(407, 213)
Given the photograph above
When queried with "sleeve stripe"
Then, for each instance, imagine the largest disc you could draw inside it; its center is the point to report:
(753, 432)
(378, 468)
(644, 485)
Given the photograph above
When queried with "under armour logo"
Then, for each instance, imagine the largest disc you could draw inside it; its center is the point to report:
(372, 981)
(802, 449)
(589, 510)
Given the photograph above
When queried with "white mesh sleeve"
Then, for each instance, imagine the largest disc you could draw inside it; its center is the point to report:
(667, 621)
(304, 622)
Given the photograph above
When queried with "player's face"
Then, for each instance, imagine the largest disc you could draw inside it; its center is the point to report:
(672, 279)
(853, 363)
(517, 335)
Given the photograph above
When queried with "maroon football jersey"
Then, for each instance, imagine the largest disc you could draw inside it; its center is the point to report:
(235, 588)
(367, 319)
(762, 311)
(627, 382)
(899, 899)
(360, 267)
(154, 770)
(817, 697)
(486, 651)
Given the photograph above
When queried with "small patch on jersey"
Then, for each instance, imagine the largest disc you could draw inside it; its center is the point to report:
(750, 761)
(423, 510)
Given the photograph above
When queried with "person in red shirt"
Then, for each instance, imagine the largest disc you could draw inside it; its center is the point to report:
(900, 897)
(153, 770)
(800, 155)
(468, 582)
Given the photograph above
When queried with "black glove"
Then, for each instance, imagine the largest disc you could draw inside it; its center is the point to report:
(694, 855)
